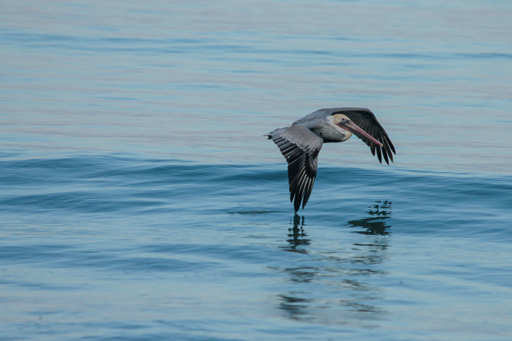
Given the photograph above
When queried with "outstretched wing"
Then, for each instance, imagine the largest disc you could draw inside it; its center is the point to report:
(300, 147)
(367, 121)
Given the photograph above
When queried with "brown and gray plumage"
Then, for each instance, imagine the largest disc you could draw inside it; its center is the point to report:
(300, 143)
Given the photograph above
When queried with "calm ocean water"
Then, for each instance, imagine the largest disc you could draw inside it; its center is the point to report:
(140, 200)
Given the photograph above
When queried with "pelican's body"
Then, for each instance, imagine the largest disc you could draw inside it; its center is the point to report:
(301, 142)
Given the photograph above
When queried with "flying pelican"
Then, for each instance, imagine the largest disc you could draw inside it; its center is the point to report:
(301, 142)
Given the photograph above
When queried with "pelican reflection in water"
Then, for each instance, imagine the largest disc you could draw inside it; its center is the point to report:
(300, 143)
(338, 285)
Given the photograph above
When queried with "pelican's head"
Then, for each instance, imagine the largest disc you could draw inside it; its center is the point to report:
(347, 124)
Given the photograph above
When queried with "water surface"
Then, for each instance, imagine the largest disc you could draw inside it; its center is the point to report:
(140, 200)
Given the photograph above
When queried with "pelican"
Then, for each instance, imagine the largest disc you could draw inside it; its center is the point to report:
(300, 143)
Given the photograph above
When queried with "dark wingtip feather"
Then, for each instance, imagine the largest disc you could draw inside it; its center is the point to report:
(392, 147)
(379, 154)
(388, 150)
(372, 148)
(385, 154)
(296, 204)
(309, 189)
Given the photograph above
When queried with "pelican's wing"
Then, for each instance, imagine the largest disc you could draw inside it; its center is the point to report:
(300, 147)
(367, 121)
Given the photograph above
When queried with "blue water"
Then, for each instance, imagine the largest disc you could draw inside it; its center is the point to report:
(141, 201)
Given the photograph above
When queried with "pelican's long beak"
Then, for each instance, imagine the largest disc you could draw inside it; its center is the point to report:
(354, 128)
